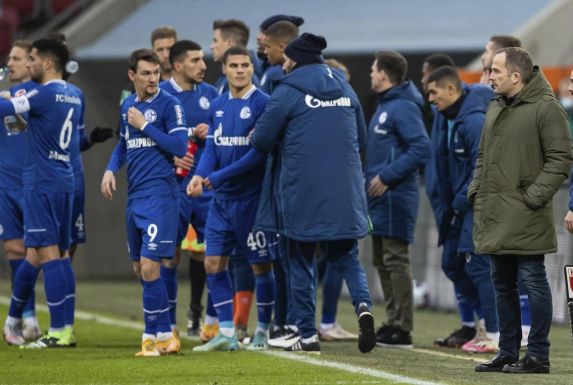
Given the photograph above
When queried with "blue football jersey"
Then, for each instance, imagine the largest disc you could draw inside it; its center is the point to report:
(195, 103)
(75, 146)
(13, 145)
(53, 113)
(150, 169)
(232, 119)
(271, 75)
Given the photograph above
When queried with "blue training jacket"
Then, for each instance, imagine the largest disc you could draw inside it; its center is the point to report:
(398, 146)
(313, 188)
(456, 161)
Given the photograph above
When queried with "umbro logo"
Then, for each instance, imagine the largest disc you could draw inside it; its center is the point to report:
(219, 113)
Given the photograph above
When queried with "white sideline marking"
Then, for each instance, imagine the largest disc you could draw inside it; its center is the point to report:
(447, 355)
(86, 316)
(350, 368)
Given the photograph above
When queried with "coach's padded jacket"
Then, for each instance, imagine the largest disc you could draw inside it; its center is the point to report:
(456, 162)
(524, 157)
(314, 187)
(397, 146)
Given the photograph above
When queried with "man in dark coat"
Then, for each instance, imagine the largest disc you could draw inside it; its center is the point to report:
(314, 192)
(524, 157)
(459, 122)
(397, 146)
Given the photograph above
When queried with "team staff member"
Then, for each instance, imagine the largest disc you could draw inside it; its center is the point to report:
(397, 146)
(524, 157)
(324, 201)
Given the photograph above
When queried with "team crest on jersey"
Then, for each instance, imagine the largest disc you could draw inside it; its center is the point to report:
(383, 117)
(204, 103)
(21, 92)
(245, 113)
(219, 113)
(150, 115)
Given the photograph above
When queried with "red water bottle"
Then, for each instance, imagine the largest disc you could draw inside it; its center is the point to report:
(192, 147)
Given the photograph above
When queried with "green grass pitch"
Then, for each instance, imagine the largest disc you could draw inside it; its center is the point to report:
(105, 353)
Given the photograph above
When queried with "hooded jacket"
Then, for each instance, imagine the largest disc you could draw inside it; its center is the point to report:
(456, 161)
(524, 157)
(397, 146)
(313, 188)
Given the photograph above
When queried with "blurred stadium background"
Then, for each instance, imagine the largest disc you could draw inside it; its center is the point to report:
(102, 33)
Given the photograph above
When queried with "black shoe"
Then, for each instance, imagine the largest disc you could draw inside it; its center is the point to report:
(309, 347)
(276, 332)
(528, 364)
(397, 338)
(366, 335)
(496, 364)
(458, 338)
(384, 331)
(194, 321)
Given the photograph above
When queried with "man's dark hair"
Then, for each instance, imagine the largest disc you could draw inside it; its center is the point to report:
(163, 33)
(236, 50)
(56, 48)
(282, 31)
(437, 60)
(144, 54)
(233, 29)
(26, 45)
(518, 60)
(505, 41)
(394, 64)
(179, 50)
(446, 74)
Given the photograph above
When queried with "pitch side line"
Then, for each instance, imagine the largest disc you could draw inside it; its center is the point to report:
(86, 316)
(350, 368)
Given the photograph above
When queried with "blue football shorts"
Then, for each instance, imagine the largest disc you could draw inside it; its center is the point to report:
(229, 230)
(152, 227)
(47, 219)
(11, 214)
(78, 218)
(193, 211)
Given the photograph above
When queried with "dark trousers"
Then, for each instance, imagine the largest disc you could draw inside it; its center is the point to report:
(343, 254)
(506, 270)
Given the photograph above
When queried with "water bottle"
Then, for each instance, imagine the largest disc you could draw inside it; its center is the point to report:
(192, 147)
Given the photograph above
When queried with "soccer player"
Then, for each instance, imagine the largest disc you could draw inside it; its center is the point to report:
(277, 37)
(187, 85)
(153, 130)
(53, 110)
(162, 38)
(226, 34)
(14, 147)
(234, 170)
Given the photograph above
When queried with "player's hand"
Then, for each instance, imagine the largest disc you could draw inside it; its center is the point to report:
(135, 118)
(377, 188)
(201, 130)
(207, 183)
(5, 95)
(100, 134)
(569, 221)
(195, 186)
(108, 184)
(186, 163)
